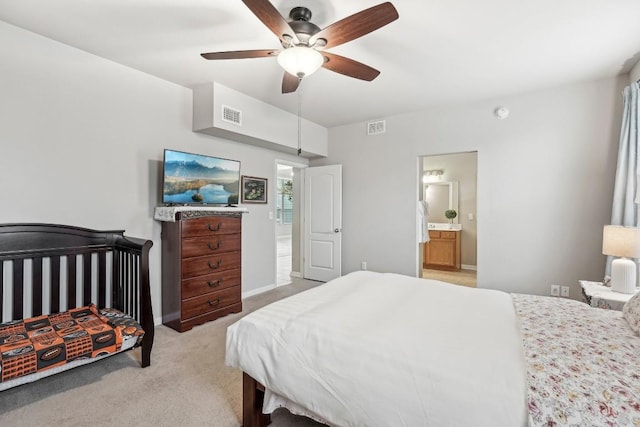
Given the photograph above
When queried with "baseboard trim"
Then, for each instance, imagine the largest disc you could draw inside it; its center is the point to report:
(258, 291)
(270, 287)
(469, 267)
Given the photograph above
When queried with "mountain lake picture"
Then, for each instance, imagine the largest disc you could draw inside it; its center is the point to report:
(192, 178)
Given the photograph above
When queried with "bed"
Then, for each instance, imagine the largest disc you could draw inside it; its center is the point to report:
(374, 349)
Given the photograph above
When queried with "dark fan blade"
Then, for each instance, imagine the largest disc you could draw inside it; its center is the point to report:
(349, 67)
(356, 25)
(270, 17)
(289, 83)
(239, 54)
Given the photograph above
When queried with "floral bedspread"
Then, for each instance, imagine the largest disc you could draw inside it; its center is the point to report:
(583, 364)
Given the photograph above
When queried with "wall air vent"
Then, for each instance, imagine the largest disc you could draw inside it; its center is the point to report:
(375, 128)
(231, 115)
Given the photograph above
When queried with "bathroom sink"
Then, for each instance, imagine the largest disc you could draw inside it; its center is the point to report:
(444, 226)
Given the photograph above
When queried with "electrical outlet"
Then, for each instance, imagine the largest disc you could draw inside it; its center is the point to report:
(363, 265)
(564, 291)
(555, 290)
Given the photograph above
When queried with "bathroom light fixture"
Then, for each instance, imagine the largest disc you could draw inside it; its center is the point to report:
(622, 242)
(300, 61)
(432, 176)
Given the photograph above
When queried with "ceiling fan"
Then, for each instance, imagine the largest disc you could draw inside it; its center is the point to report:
(304, 42)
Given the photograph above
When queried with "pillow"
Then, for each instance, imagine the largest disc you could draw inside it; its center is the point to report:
(118, 320)
(631, 312)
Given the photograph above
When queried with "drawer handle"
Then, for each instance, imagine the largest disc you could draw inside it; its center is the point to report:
(214, 284)
(216, 228)
(213, 267)
(214, 303)
(212, 247)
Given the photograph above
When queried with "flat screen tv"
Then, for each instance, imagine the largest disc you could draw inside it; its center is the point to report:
(191, 179)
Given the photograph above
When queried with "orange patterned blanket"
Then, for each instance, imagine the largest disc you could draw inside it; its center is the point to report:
(39, 343)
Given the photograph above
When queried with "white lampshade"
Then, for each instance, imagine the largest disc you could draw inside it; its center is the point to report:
(622, 242)
(300, 61)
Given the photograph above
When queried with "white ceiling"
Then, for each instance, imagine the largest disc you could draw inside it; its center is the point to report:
(437, 52)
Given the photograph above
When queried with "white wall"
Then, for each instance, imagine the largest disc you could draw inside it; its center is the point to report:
(545, 183)
(634, 74)
(82, 140)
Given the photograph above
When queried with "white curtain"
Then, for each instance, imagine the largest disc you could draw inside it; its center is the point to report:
(626, 191)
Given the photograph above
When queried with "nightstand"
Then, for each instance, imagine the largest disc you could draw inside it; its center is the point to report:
(598, 295)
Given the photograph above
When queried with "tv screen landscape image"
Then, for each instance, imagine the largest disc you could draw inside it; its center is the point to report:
(199, 179)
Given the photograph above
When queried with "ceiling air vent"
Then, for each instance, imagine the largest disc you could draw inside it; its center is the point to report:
(375, 128)
(231, 115)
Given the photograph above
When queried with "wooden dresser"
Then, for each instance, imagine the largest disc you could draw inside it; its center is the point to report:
(201, 273)
(443, 250)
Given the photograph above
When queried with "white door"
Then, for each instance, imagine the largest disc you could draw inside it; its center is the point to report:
(323, 222)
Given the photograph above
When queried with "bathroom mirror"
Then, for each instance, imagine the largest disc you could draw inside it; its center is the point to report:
(441, 196)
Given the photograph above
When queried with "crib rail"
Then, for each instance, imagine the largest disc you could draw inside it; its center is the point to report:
(47, 268)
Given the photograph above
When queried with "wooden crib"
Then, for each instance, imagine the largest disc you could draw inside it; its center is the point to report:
(49, 268)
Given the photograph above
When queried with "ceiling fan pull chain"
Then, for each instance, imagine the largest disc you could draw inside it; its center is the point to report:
(300, 121)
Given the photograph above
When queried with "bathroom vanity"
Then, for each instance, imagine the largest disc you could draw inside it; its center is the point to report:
(442, 251)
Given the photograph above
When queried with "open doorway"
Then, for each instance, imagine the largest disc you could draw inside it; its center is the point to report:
(288, 207)
(448, 247)
(284, 224)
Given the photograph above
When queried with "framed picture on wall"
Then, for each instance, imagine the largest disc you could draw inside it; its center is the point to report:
(254, 189)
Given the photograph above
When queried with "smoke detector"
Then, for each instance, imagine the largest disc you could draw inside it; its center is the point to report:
(501, 112)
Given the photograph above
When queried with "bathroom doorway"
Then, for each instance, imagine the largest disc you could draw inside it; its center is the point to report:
(288, 221)
(448, 192)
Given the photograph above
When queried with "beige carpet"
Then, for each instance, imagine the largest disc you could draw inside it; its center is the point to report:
(187, 384)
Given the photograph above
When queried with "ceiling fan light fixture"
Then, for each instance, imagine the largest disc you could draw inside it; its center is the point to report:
(304, 42)
(300, 61)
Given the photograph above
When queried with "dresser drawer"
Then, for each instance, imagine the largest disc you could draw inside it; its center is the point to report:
(210, 283)
(210, 225)
(210, 302)
(199, 246)
(193, 267)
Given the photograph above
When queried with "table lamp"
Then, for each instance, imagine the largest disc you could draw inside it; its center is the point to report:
(622, 242)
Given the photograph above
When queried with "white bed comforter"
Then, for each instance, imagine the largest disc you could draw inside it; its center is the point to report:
(373, 349)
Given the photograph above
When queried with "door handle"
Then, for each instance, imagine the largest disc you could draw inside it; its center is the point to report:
(337, 230)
